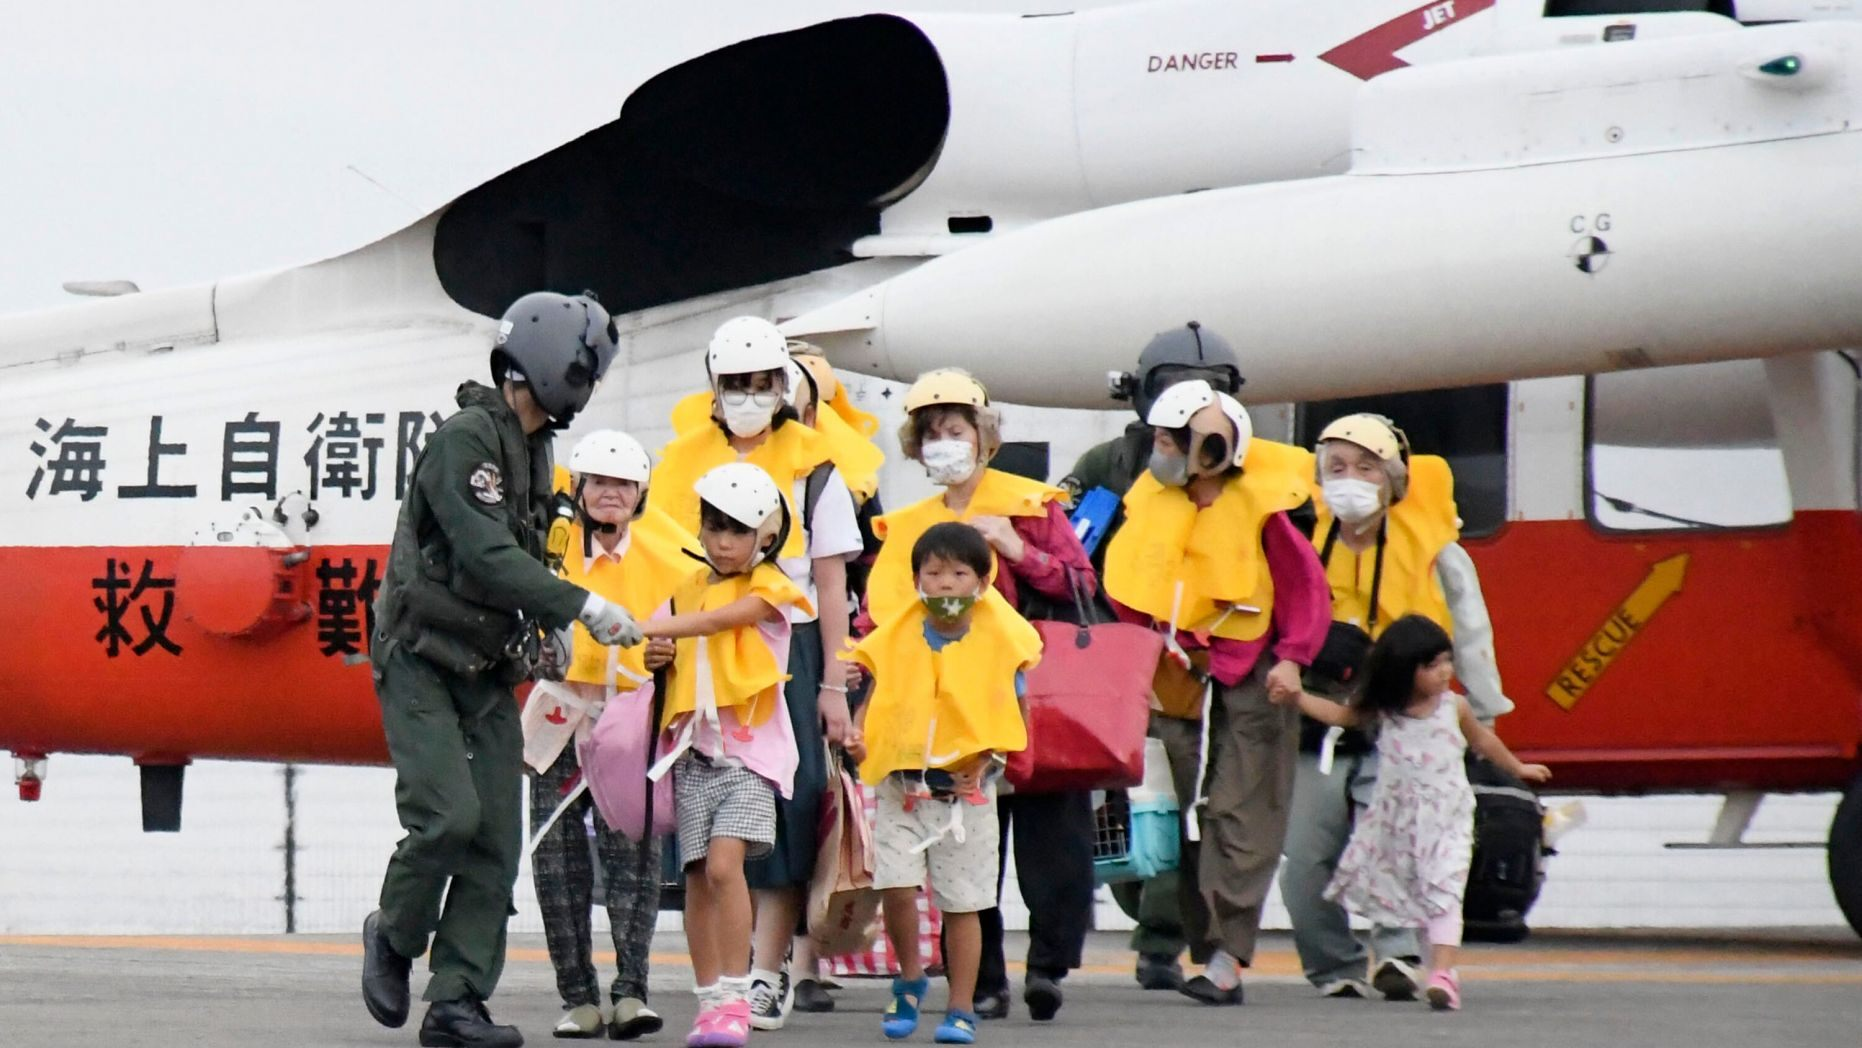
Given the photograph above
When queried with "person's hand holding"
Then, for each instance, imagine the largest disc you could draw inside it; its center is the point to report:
(660, 652)
(1283, 681)
(1002, 536)
(836, 721)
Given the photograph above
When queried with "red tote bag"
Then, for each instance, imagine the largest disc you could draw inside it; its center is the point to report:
(1089, 704)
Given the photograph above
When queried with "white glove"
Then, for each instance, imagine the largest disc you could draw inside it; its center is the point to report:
(609, 623)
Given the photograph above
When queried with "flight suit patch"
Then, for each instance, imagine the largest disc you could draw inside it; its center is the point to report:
(487, 484)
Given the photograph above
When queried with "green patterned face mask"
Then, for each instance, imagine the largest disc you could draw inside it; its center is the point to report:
(948, 608)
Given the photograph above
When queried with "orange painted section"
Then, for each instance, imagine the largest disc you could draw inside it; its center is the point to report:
(275, 696)
(1749, 676)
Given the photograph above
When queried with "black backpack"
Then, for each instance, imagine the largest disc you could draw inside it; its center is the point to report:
(864, 514)
(1508, 866)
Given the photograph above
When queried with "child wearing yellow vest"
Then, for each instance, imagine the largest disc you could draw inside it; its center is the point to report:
(728, 741)
(632, 554)
(944, 713)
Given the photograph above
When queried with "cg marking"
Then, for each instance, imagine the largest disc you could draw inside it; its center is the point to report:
(1590, 253)
(1623, 626)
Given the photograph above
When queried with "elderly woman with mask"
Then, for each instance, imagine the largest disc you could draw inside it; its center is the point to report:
(1208, 556)
(952, 430)
(1386, 533)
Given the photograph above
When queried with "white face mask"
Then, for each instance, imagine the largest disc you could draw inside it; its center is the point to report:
(747, 419)
(948, 461)
(1354, 501)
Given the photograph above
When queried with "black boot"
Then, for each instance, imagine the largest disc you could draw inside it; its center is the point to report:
(1041, 993)
(1159, 971)
(465, 1023)
(384, 975)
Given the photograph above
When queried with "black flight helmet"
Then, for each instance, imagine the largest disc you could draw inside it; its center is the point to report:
(561, 344)
(1187, 352)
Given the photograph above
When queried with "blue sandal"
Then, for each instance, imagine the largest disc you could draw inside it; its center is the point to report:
(901, 1018)
(957, 1028)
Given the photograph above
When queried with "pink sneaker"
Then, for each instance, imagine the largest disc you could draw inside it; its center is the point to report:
(1444, 992)
(726, 1026)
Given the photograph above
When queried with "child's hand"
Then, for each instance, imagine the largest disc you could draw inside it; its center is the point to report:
(856, 676)
(1535, 773)
(855, 744)
(660, 652)
(969, 780)
(1280, 695)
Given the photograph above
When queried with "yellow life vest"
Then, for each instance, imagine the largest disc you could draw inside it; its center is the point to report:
(641, 581)
(856, 456)
(744, 672)
(1213, 553)
(860, 422)
(787, 454)
(1418, 527)
(960, 699)
(889, 588)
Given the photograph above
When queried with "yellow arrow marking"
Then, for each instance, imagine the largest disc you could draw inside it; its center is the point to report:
(1663, 582)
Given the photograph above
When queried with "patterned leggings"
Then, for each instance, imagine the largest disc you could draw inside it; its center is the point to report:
(565, 883)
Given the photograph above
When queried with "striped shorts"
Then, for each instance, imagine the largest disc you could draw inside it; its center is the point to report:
(722, 800)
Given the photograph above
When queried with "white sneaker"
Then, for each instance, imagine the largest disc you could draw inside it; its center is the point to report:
(1397, 979)
(770, 1002)
(1348, 988)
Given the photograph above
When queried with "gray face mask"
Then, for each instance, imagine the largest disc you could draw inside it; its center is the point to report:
(1171, 469)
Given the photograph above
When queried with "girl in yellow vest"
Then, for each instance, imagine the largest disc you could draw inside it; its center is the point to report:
(1386, 532)
(1208, 555)
(632, 555)
(952, 429)
(944, 713)
(729, 741)
(750, 422)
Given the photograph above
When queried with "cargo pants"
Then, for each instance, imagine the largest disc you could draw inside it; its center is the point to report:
(1224, 879)
(457, 749)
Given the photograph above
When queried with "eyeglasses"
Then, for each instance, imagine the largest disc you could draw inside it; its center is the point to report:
(737, 398)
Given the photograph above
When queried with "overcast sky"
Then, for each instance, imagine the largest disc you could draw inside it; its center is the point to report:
(180, 142)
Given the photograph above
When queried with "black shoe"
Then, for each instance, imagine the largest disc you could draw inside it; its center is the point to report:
(993, 1005)
(811, 996)
(1202, 989)
(384, 975)
(1157, 971)
(465, 1023)
(1042, 996)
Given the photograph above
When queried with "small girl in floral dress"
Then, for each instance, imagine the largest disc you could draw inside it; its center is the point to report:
(1407, 861)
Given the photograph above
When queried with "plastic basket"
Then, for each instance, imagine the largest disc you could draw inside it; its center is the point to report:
(1136, 833)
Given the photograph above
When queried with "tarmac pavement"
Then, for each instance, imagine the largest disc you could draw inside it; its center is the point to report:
(1675, 990)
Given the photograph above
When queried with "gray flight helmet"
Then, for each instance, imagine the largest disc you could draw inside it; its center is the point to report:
(561, 344)
(1186, 352)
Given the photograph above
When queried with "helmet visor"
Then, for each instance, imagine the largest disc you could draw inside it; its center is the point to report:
(1221, 378)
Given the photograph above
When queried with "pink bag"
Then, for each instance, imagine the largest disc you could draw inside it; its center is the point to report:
(841, 901)
(614, 759)
(874, 957)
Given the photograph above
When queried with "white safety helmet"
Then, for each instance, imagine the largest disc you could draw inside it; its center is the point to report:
(745, 345)
(610, 453)
(1196, 406)
(747, 495)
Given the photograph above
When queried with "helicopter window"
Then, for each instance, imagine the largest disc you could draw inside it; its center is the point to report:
(1682, 449)
(1465, 426)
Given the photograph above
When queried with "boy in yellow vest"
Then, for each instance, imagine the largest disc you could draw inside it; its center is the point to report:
(945, 712)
